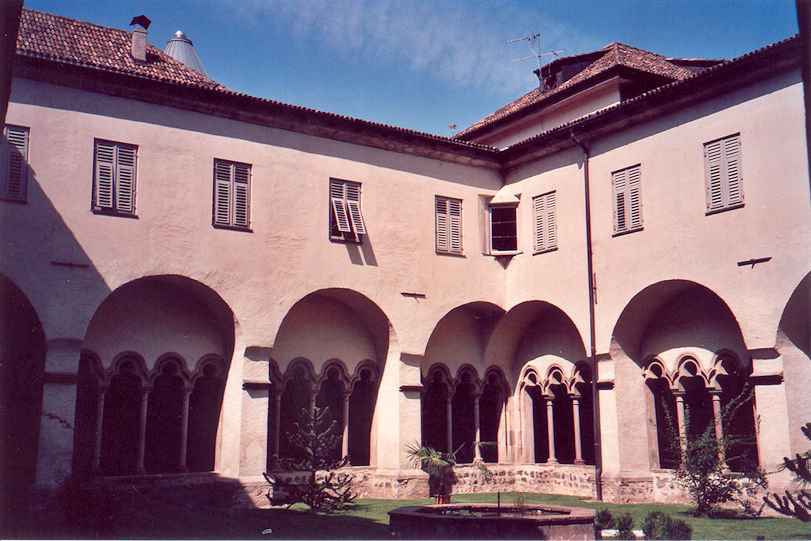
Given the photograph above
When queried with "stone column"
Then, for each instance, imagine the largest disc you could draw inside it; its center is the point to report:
(99, 425)
(476, 423)
(449, 417)
(345, 441)
(719, 429)
(184, 432)
(277, 421)
(550, 428)
(680, 415)
(139, 468)
(578, 455)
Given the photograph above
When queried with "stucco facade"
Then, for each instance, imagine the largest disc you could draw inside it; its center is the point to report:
(689, 297)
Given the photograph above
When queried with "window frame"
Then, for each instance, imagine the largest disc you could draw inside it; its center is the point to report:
(117, 171)
(13, 153)
(448, 224)
(490, 223)
(627, 182)
(346, 223)
(725, 193)
(544, 214)
(224, 200)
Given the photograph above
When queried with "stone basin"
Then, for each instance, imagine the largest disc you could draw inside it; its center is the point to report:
(489, 521)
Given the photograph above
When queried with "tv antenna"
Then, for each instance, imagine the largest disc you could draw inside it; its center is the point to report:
(534, 43)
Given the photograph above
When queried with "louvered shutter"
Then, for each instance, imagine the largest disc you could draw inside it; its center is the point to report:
(713, 160)
(222, 192)
(242, 180)
(336, 195)
(105, 173)
(634, 209)
(734, 184)
(620, 186)
(353, 204)
(16, 184)
(125, 179)
(551, 223)
(539, 210)
(442, 225)
(455, 225)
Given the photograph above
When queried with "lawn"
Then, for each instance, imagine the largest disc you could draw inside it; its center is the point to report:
(368, 520)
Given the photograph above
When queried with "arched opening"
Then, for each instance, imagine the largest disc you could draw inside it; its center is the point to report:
(463, 407)
(434, 410)
(122, 419)
(664, 406)
(164, 420)
(584, 401)
(361, 411)
(204, 414)
(491, 407)
(330, 398)
(540, 426)
(295, 403)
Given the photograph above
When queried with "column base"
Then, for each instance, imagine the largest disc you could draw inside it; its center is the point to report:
(579, 462)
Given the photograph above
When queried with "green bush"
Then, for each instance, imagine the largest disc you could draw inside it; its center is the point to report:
(658, 525)
(603, 520)
(625, 526)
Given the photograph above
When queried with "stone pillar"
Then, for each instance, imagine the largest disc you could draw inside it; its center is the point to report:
(680, 415)
(449, 417)
(578, 454)
(345, 440)
(253, 459)
(550, 428)
(139, 468)
(476, 423)
(99, 426)
(716, 415)
(184, 432)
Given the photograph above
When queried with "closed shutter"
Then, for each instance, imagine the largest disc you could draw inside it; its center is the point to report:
(242, 180)
(732, 155)
(353, 204)
(627, 199)
(336, 195)
(125, 179)
(546, 233)
(16, 149)
(539, 210)
(442, 225)
(713, 159)
(551, 222)
(634, 216)
(455, 225)
(620, 185)
(222, 192)
(105, 173)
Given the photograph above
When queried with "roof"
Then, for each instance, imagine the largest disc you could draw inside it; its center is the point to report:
(52, 37)
(610, 57)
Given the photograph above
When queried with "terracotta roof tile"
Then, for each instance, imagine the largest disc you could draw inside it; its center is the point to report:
(614, 54)
(53, 37)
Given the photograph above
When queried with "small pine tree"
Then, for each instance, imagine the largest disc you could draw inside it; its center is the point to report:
(798, 504)
(316, 438)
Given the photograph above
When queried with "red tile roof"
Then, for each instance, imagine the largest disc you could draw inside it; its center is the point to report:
(52, 37)
(613, 55)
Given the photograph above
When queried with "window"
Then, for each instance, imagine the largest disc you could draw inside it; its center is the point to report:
(345, 218)
(546, 231)
(15, 163)
(232, 193)
(114, 180)
(448, 225)
(627, 199)
(722, 164)
(503, 229)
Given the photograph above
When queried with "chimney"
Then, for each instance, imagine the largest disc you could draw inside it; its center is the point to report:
(139, 44)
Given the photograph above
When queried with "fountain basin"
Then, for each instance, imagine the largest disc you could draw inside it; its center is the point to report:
(489, 521)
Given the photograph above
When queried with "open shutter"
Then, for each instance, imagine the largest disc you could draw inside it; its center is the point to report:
(105, 168)
(455, 225)
(222, 192)
(442, 225)
(242, 184)
(551, 223)
(336, 196)
(353, 204)
(620, 187)
(17, 160)
(125, 179)
(732, 153)
(713, 161)
(634, 210)
(539, 210)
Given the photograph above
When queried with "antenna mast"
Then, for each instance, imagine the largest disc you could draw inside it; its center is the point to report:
(534, 43)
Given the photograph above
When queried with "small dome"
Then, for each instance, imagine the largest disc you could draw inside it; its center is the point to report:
(181, 48)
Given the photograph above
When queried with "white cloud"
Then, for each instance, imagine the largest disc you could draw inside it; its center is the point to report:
(455, 41)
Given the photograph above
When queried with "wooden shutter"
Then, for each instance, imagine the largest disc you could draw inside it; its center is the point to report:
(105, 173)
(125, 179)
(546, 234)
(620, 187)
(442, 225)
(734, 182)
(336, 195)
(713, 160)
(551, 222)
(16, 149)
(242, 185)
(353, 205)
(634, 208)
(723, 172)
(455, 226)
(539, 210)
(222, 192)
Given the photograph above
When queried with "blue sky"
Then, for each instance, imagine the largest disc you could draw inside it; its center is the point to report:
(426, 65)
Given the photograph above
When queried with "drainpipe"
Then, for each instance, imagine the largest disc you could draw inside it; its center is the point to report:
(598, 458)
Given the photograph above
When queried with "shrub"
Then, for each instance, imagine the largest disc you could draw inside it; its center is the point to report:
(658, 525)
(603, 520)
(798, 504)
(625, 526)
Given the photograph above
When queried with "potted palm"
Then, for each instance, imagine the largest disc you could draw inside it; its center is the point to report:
(438, 466)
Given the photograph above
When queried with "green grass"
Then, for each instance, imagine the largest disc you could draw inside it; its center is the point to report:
(368, 519)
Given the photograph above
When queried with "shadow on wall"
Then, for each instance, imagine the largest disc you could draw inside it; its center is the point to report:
(49, 288)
